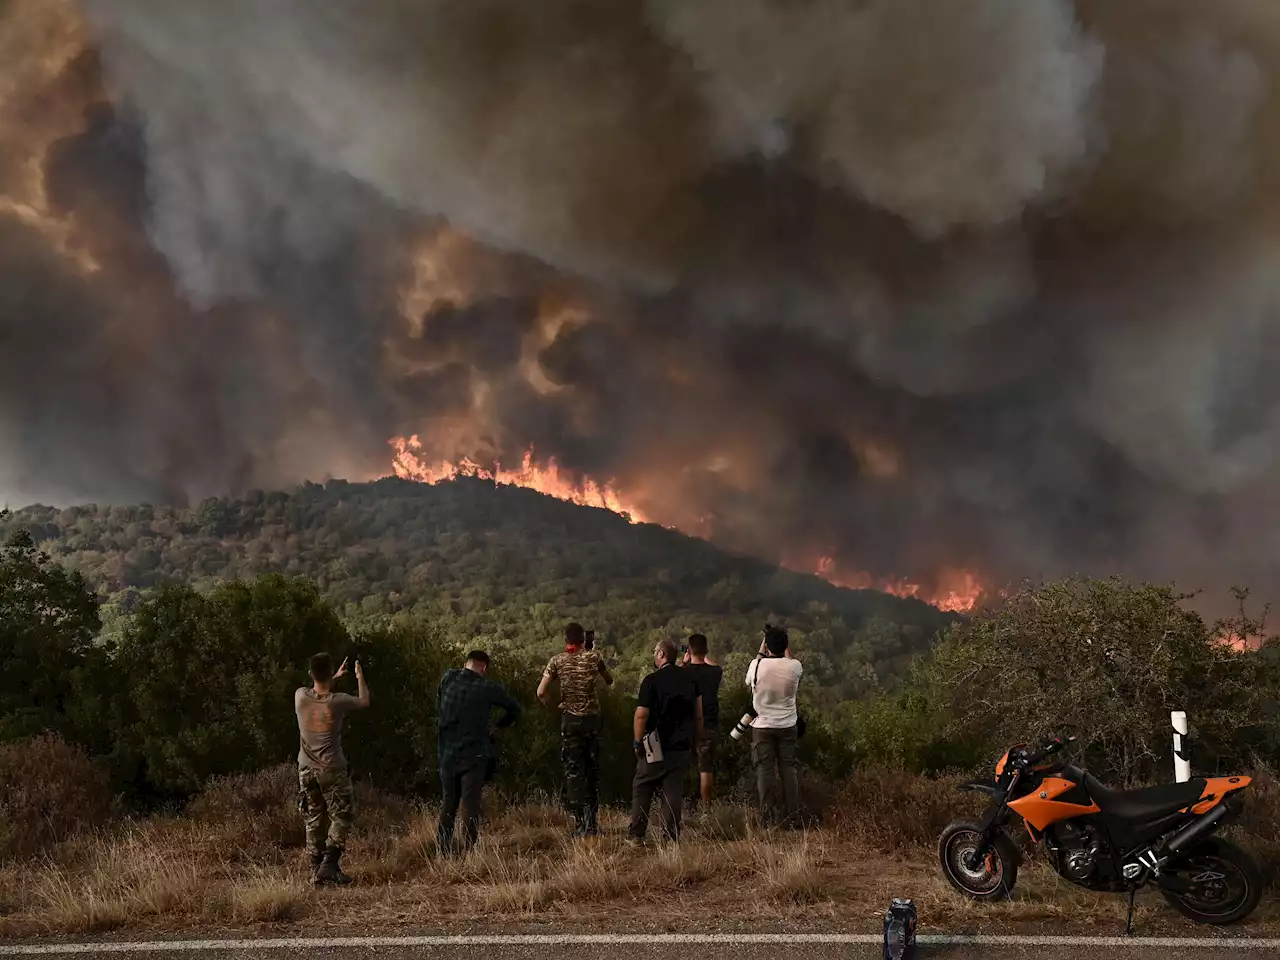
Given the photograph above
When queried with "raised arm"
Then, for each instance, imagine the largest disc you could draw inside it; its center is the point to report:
(362, 688)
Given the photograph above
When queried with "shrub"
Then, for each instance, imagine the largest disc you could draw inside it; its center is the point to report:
(211, 677)
(49, 790)
(261, 809)
(1106, 660)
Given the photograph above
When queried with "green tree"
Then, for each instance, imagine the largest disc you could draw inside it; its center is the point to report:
(48, 620)
(498, 566)
(209, 679)
(1106, 660)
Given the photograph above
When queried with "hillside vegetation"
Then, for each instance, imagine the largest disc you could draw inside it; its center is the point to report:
(147, 742)
(500, 567)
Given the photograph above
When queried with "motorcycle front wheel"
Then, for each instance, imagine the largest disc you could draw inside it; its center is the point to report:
(1225, 881)
(993, 877)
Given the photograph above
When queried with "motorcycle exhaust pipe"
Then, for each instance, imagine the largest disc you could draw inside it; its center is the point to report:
(1195, 831)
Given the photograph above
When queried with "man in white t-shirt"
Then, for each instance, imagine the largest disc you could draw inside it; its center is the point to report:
(774, 679)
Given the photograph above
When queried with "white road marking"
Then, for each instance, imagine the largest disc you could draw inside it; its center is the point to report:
(588, 939)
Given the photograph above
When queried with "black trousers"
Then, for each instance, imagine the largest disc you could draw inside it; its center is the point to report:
(774, 753)
(580, 754)
(666, 778)
(463, 784)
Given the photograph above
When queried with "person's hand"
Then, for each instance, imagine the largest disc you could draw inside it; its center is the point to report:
(342, 670)
(359, 671)
(687, 658)
(638, 747)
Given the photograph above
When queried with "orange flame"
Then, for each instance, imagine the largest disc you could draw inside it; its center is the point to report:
(1239, 644)
(958, 590)
(547, 478)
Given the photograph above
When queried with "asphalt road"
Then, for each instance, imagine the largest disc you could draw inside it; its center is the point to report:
(604, 947)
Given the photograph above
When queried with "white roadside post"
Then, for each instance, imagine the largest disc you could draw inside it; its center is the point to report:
(1181, 751)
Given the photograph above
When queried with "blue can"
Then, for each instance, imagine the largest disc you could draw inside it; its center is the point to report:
(900, 930)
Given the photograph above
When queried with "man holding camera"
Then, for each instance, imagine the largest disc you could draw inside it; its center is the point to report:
(464, 706)
(774, 679)
(326, 799)
(577, 669)
(667, 723)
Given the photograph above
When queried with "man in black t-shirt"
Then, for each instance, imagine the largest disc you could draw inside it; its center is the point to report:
(669, 706)
(707, 676)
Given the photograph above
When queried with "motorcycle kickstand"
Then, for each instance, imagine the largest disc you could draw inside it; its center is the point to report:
(1128, 924)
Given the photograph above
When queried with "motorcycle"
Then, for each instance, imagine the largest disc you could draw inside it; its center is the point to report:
(1104, 839)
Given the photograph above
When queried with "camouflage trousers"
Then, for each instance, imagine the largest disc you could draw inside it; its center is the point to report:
(327, 804)
(580, 754)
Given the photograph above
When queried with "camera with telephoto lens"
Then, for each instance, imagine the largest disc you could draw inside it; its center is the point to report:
(742, 726)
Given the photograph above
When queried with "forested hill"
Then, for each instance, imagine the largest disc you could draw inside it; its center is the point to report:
(501, 566)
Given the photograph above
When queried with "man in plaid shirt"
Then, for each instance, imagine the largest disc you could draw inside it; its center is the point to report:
(464, 705)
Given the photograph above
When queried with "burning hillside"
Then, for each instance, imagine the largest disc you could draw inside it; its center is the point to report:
(958, 591)
(529, 475)
(914, 294)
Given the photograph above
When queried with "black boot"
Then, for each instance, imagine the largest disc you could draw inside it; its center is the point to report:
(330, 871)
(317, 858)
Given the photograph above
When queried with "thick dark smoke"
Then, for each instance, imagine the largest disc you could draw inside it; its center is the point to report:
(920, 284)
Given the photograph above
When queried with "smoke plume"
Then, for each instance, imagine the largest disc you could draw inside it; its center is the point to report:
(917, 285)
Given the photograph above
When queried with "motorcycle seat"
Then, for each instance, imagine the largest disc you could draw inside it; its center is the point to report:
(1148, 803)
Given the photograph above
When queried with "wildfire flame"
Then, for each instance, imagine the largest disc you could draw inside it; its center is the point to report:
(545, 478)
(1239, 644)
(958, 591)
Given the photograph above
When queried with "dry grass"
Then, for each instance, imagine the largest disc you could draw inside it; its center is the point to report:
(895, 812)
(230, 863)
(790, 874)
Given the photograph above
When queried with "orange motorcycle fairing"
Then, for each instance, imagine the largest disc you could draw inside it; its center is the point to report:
(1041, 807)
(1004, 761)
(1215, 788)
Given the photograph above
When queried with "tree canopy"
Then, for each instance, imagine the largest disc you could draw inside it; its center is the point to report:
(494, 566)
(1104, 660)
(193, 679)
(48, 623)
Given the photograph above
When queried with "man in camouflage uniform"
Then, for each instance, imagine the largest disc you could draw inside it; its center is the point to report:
(325, 797)
(577, 669)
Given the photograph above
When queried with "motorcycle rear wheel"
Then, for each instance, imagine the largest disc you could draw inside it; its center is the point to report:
(993, 878)
(1228, 883)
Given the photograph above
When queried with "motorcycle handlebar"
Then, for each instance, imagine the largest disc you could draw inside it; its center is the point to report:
(1046, 749)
